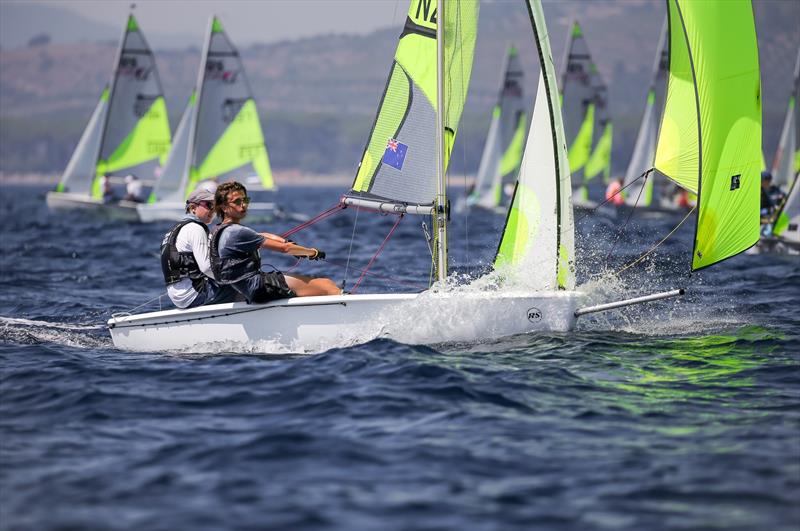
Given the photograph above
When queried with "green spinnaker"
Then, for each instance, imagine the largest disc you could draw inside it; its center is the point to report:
(710, 140)
(600, 160)
(581, 147)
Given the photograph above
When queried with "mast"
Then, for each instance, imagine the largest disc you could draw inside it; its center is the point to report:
(441, 185)
(201, 73)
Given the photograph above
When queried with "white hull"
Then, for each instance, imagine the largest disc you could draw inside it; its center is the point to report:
(314, 324)
(151, 212)
(121, 210)
(774, 245)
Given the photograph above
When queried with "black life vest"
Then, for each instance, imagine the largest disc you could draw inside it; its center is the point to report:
(177, 265)
(233, 268)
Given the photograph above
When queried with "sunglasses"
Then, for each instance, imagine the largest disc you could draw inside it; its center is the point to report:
(238, 201)
(207, 204)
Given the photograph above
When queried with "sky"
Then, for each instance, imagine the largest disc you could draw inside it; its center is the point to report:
(249, 20)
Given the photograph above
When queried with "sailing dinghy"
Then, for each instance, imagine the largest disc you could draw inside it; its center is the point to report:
(423, 100)
(579, 83)
(784, 236)
(713, 150)
(502, 152)
(218, 138)
(128, 133)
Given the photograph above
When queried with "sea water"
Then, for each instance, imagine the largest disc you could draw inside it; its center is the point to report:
(681, 414)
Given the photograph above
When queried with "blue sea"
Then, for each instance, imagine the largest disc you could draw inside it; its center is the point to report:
(681, 414)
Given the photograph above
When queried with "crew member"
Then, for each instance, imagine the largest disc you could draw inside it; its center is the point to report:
(185, 259)
(236, 260)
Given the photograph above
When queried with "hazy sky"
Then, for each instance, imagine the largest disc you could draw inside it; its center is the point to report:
(249, 20)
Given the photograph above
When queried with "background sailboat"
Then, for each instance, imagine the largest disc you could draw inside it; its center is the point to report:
(784, 235)
(128, 132)
(579, 96)
(639, 191)
(218, 138)
(502, 152)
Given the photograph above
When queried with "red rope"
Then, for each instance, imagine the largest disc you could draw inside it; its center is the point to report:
(364, 271)
(319, 217)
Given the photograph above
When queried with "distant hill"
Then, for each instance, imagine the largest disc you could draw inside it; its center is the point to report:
(318, 96)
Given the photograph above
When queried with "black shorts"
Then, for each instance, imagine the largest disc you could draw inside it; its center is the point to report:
(272, 286)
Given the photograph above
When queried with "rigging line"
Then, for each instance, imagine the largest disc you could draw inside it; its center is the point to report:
(621, 231)
(350, 249)
(319, 217)
(592, 210)
(382, 277)
(358, 282)
(653, 248)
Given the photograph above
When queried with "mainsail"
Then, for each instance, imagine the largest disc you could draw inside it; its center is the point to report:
(129, 129)
(502, 153)
(578, 101)
(220, 135)
(600, 160)
(399, 161)
(710, 136)
(787, 224)
(644, 151)
(539, 236)
(786, 163)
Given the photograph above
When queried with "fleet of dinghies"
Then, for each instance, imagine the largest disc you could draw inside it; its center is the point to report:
(127, 133)
(710, 146)
(219, 136)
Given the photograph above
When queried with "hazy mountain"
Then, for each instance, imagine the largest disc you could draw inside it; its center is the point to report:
(319, 95)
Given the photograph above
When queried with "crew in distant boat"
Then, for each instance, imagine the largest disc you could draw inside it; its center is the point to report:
(185, 259)
(105, 186)
(774, 194)
(614, 192)
(768, 204)
(235, 256)
(133, 189)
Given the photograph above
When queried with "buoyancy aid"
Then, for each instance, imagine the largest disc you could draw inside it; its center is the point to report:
(233, 268)
(177, 265)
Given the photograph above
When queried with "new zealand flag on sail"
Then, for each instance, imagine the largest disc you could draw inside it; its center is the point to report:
(395, 154)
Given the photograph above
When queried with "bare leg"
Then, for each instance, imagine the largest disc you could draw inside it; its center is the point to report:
(305, 286)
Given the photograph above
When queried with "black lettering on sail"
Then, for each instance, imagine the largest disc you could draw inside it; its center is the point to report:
(250, 151)
(142, 104)
(231, 108)
(428, 14)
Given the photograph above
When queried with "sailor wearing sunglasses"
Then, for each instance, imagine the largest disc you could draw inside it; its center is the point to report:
(236, 260)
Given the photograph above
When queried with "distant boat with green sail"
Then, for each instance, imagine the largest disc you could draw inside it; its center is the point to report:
(128, 133)
(505, 141)
(219, 136)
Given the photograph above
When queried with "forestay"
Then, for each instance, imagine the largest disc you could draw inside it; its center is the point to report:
(538, 242)
(399, 162)
(644, 151)
(710, 138)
